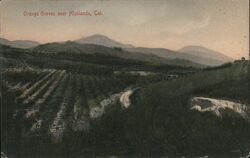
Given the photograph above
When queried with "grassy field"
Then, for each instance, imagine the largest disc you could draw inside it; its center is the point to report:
(162, 119)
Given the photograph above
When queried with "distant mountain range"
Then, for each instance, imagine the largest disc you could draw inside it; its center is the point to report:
(19, 43)
(195, 54)
(73, 47)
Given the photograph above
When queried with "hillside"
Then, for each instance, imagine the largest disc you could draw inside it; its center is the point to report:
(205, 53)
(76, 48)
(212, 59)
(166, 117)
(19, 43)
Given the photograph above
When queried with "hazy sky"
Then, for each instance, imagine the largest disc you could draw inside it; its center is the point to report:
(222, 25)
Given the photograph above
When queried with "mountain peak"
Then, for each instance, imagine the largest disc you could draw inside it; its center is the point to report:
(103, 40)
(98, 36)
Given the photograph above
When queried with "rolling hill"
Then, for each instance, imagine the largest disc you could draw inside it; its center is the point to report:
(202, 56)
(73, 47)
(205, 53)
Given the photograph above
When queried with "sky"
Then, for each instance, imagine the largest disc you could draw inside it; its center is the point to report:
(221, 25)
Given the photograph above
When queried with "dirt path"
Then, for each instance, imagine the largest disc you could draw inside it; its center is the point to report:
(125, 98)
(218, 106)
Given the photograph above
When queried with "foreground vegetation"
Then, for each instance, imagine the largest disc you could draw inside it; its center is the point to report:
(163, 119)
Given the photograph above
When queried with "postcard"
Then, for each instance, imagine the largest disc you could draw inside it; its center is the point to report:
(123, 78)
